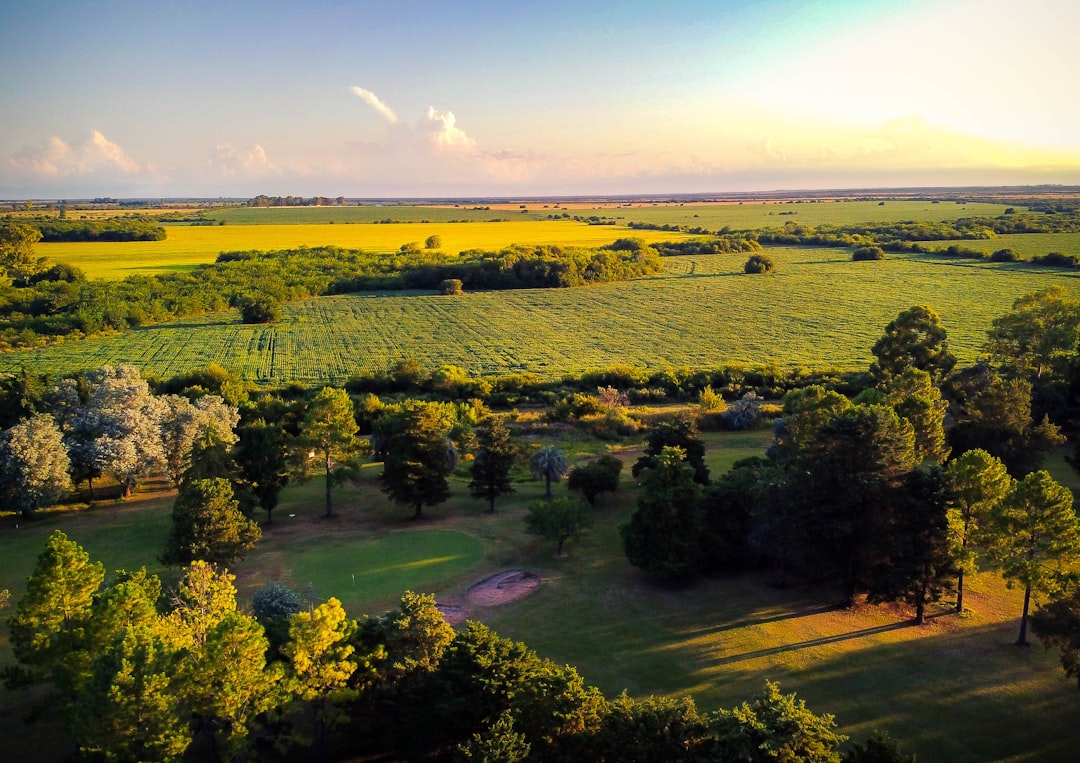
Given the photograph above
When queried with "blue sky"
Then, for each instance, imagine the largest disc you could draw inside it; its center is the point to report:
(443, 99)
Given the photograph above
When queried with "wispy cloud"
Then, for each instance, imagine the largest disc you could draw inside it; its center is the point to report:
(374, 102)
(91, 154)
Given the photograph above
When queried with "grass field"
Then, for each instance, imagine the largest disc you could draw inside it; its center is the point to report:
(817, 310)
(188, 246)
(955, 689)
(1027, 245)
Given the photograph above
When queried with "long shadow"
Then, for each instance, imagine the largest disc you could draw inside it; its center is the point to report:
(751, 622)
(811, 643)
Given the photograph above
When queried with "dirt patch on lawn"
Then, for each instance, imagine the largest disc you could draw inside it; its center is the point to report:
(502, 588)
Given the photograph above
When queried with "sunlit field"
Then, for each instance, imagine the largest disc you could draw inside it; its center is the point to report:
(817, 310)
(187, 246)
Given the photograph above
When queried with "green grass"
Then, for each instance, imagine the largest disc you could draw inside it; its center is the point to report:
(188, 246)
(1027, 245)
(360, 570)
(955, 689)
(818, 309)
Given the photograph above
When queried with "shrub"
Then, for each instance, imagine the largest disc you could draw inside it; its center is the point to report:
(258, 308)
(744, 413)
(863, 253)
(1005, 255)
(433, 242)
(451, 286)
(759, 263)
(1057, 260)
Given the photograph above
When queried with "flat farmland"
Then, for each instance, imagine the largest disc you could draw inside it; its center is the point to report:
(819, 309)
(1027, 245)
(188, 246)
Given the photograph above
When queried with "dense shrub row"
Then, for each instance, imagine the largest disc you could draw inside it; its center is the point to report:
(116, 229)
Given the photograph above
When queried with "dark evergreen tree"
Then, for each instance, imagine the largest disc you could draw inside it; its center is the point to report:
(682, 434)
(495, 456)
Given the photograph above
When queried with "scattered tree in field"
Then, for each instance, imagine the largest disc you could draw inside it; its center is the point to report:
(915, 339)
(682, 434)
(558, 520)
(418, 460)
(451, 287)
(207, 525)
(1033, 535)
(433, 242)
(17, 258)
(776, 727)
(978, 482)
(600, 475)
(867, 253)
(759, 263)
(34, 464)
(49, 626)
(495, 456)
(1038, 339)
(259, 307)
(663, 534)
(549, 464)
(329, 431)
(262, 456)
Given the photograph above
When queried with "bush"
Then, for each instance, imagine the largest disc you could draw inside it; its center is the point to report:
(1057, 260)
(759, 263)
(1005, 255)
(451, 286)
(433, 242)
(864, 253)
(258, 308)
(744, 413)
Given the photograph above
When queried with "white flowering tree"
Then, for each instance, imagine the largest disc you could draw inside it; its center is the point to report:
(34, 464)
(185, 423)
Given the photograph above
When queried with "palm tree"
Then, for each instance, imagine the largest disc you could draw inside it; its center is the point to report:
(550, 463)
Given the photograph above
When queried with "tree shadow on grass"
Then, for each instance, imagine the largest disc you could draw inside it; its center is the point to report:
(809, 643)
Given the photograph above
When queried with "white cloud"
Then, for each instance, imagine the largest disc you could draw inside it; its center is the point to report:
(252, 162)
(442, 129)
(374, 102)
(89, 155)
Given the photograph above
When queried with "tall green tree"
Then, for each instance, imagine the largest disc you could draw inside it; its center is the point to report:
(1057, 623)
(17, 258)
(321, 664)
(601, 475)
(1037, 340)
(549, 464)
(263, 457)
(329, 431)
(418, 460)
(663, 534)
(1033, 535)
(207, 525)
(50, 622)
(557, 520)
(913, 396)
(129, 710)
(978, 482)
(495, 456)
(914, 564)
(916, 338)
(844, 478)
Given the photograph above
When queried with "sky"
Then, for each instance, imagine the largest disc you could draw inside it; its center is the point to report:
(411, 98)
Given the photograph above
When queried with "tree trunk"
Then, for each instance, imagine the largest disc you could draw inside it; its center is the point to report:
(491, 505)
(960, 592)
(920, 606)
(1022, 641)
(548, 493)
(558, 547)
(419, 513)
(329, 506)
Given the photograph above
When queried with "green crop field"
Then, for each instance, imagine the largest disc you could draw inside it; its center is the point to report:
(819, 309)
(1027, 245)
(775, 214)
(187, 246)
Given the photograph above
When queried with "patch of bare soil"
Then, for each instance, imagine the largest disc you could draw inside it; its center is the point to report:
(502, 588)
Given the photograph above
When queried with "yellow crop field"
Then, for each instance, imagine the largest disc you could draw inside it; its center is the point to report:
(187, 246)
